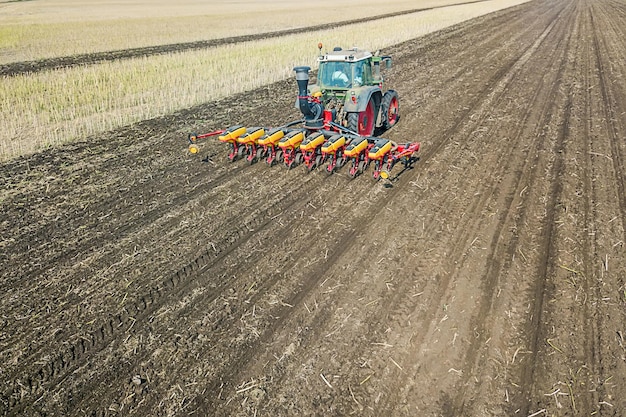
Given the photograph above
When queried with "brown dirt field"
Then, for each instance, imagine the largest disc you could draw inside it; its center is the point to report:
(490, 280)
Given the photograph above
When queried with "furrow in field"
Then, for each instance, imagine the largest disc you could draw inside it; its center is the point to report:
(495, 196)
(572, 362)
(527, 396)
(610, 72)
(607, 265)
(545, 270)
(582, 274)
(519, 171)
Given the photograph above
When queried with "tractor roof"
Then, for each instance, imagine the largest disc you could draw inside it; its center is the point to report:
(349, 55)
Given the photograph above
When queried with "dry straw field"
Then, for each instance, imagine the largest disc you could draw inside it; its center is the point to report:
(39, 29)
(57, 106)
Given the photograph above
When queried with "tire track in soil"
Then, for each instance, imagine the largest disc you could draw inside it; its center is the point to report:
(142, 221)
(595, 316)
(475, 359)
(283, 232)
(545, 269)
(591, 339)
(31, 67)
(611, 115)
(55, 371)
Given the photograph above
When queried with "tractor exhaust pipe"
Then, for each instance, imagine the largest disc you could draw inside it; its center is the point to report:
(312, 111)
(302, 78)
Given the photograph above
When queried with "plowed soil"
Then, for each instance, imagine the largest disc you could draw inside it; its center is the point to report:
(489, 280)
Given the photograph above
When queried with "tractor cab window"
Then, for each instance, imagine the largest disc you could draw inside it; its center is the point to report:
(335, 74)
(340, 74)
(362, 73)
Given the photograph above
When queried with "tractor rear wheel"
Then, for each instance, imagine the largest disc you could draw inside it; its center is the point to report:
(363, 122)
(390, 109)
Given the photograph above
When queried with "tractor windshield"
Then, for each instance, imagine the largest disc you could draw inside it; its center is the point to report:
(340, 74)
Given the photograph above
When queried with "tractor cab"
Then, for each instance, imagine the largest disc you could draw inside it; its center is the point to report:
(343, 69)
(348, 93)
(347, 68)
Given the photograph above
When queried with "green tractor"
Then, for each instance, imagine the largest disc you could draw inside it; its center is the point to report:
(343, 111)
(348, 94)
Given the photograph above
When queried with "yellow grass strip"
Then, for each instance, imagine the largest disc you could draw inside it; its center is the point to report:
(50, 108)
(34, 30)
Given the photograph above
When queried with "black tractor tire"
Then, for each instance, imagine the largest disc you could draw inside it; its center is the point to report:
(390, 109)
(353, 122)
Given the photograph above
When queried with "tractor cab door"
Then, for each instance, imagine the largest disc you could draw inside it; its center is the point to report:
(362, 73)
